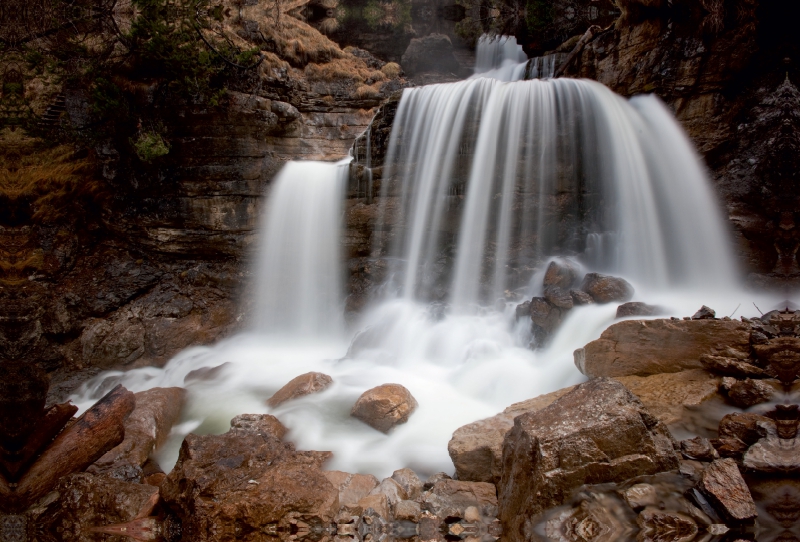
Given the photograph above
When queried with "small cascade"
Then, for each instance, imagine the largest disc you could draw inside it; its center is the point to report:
(500, 57)
(544, 67)
(299, 282)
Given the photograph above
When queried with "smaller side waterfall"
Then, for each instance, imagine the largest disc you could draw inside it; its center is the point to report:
(500, 57)
(298, 281)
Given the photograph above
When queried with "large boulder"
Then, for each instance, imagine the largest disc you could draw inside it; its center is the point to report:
(247, 480)
(561, 273)
(477, 448)
(384, 406)
(646, 347)
(432, 53)
(607, 289)
(300, 386)
(148, 426)
(598, 433)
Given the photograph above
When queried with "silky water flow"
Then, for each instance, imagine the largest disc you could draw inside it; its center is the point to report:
(493, 179)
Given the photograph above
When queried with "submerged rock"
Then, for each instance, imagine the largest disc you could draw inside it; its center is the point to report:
(607, 289)
(646, 347)
(385, 406)
(598, 433)
(302, 385)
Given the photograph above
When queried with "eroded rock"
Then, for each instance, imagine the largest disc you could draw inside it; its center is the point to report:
(385, 406)
(599, 432)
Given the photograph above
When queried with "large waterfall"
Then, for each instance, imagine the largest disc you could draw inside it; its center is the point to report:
(493, 178)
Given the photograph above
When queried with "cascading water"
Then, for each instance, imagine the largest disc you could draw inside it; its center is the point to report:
(299, 282)
(507, 173)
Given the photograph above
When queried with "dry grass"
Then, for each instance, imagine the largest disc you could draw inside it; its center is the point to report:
(392, 70)
(366, 91)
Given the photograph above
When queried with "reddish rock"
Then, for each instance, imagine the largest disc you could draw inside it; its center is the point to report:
(646, 347)
(698, 448)
(723, 365)
(352, 487)
(247, 480)
(561, 273)
(385, 406)
(579, 297)
(723, 484)
(606, 289)
(598, 433)
(299, 386)
(636, 308)
(749, 392)
(558, 297)
(409, 481)
(745, 426)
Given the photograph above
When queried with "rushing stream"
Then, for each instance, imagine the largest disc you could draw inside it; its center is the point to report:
(551, 167)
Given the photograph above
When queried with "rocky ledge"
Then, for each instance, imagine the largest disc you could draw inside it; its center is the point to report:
(692, 440)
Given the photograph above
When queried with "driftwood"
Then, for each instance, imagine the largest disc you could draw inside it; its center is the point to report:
(45, 431)
(586, 38)
(78, 446)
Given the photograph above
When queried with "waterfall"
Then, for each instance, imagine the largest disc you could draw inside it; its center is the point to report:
(500, 57)
(298, 275)
(553, 166)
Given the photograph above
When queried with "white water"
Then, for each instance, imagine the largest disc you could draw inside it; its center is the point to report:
(468, 362)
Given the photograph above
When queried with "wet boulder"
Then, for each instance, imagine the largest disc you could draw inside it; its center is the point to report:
(579, 297)
(598, 433)
(558, 297)
(247, 480)
(385, 406)
(607, 289)
(646, 347)
(300, 386)
(723, 484)
(637, 308)
(749, 392)
(561, 273)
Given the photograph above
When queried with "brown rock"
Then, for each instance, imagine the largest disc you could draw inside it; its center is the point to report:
(84, 502)
(393, 491)
(246, 479)
(148, 426)
(407, 511)
(258, 424)
(749, 392)
(783, 356)
(636, 308)
(452, 498)
(579, 297)
(385, 406)
(745, 426)
(704, 313)
(698, 448)
(598, 433)
(729, 447)
(773, 455)
(558, 297)
(352, 487)
(377, 502)
(640, 495)
(299, 386)
(545, 315)
(477, 448)
(724, 486)
(728, 366)
(667, 395)
(646, 347)
(606, 289)
(655, 524)
(561, 273)
(409, 481)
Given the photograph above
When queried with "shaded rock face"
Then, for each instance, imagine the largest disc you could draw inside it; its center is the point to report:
(603, 434)
(246, 479)
(433, 53)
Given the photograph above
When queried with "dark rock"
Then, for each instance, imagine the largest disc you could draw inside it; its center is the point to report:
(704, 313)
(636, 308)
(749, 392)
(432, 53)
(523, 310)
(599, 432)
(745, 426)
(698, 448)
(433, 479)
(579, 297)
(385, 406)
(606, 289)
(561, 274)
(723, 484)
(247, 480)
(300, 386)
(732, 366)
(545, 315)
(729, 447)
(558, 297)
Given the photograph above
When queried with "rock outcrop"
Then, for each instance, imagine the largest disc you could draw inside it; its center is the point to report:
(599, 432)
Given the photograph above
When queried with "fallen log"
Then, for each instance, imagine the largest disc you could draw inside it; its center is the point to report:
(45, 431)
(98, 430)
(586, 38)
